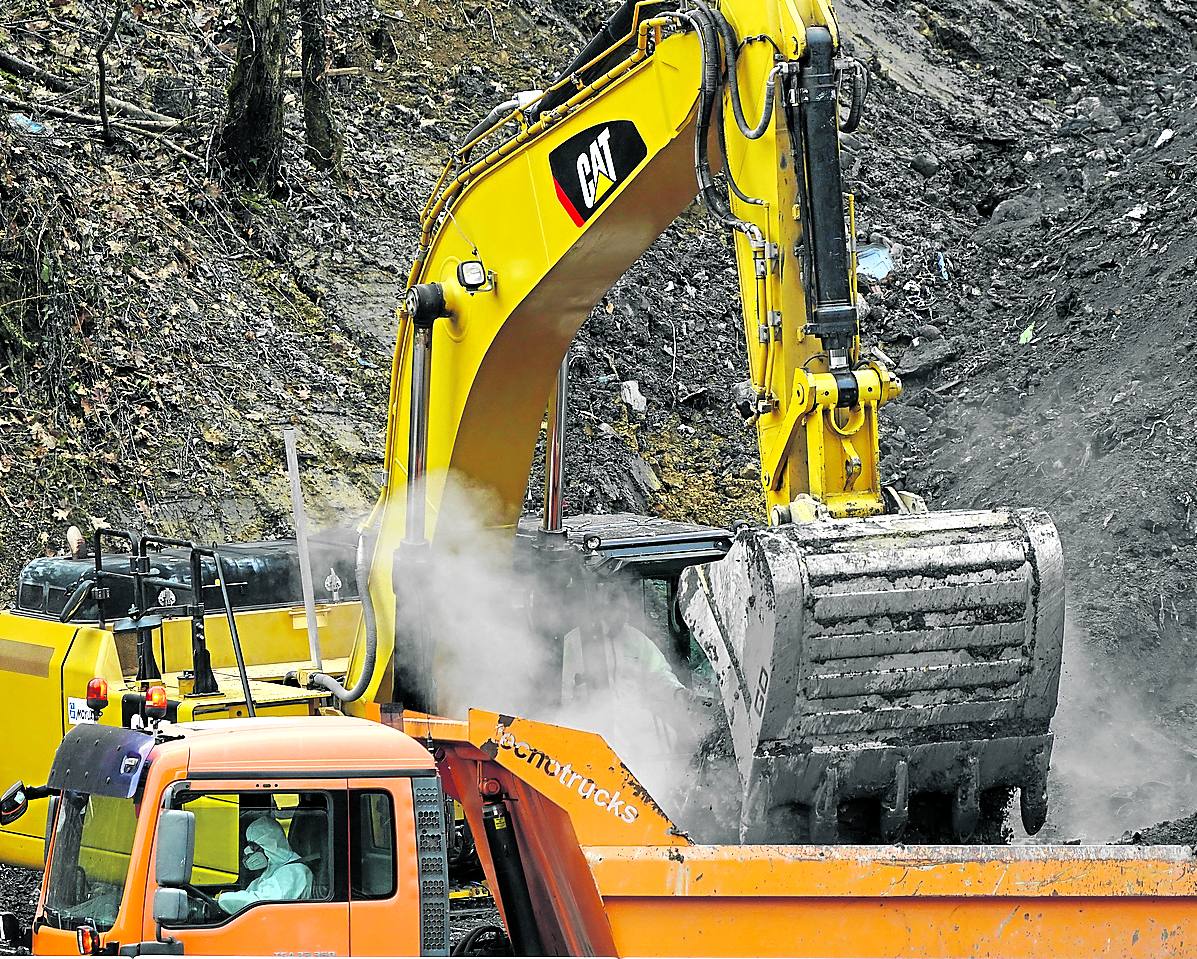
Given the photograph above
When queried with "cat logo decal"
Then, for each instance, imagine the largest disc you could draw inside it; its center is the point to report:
(589, 166)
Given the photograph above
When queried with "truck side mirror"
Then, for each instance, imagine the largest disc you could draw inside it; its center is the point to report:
(10, 931)
(170, 905)
(176, 849)
(13, 803)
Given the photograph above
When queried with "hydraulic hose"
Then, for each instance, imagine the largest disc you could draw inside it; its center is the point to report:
(708, 90)
(520, 101)
(323, 680)
(726, 68)
(733, 80)
(731, 180)
(712, 69)
(617, 27)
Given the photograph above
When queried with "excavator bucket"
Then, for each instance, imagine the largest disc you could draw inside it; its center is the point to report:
(884, 658)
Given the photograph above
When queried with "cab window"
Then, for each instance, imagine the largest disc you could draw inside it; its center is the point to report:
(372, 834)
(92, 844)
(256, 847)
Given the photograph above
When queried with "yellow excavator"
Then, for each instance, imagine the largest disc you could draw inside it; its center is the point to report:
(864, 649)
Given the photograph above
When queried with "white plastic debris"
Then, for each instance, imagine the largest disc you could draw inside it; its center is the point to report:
(874, 261)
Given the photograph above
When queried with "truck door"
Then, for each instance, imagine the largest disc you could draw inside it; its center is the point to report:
(398, 880)
(271, 871)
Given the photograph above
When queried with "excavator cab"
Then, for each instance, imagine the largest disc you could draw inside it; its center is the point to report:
(641, 558)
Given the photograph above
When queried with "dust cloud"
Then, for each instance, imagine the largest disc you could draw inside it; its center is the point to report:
(1115, 766)
(491, 653)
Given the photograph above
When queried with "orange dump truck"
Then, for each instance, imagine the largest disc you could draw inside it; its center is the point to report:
(160, 837)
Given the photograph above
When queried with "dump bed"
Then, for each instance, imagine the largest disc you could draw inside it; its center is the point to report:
(977, 901)
(628, 882)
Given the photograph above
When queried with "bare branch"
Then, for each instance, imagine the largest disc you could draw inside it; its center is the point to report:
(103, 70)
(142, 127)
(23, 68)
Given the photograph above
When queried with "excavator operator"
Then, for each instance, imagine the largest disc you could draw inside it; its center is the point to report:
(618, 655)
(284, 878)
(617, 680)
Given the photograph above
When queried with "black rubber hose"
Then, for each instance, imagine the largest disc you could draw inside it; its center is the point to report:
(617, 27)
(708, 91)
(731, 45)
(860, 91)
(76, 600)
(466, 946)
(323, 680)
(725, 67)
(731, 179)
(713, 69)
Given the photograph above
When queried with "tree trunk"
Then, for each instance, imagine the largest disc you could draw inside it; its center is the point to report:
(323, 142)
(251, 140)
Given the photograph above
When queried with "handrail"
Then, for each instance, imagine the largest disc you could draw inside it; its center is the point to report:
(443, 197)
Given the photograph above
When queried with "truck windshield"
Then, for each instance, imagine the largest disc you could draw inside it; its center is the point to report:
(92, 842)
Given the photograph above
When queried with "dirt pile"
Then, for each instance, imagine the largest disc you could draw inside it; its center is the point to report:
(1039, 310)
(18, 891)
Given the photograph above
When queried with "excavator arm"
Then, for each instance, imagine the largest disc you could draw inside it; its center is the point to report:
(604, 161)
(863, 647)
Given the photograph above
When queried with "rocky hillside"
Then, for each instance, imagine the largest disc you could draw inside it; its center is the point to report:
(1027, 168)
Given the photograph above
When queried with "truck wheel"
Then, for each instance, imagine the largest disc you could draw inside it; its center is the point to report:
(484, 941)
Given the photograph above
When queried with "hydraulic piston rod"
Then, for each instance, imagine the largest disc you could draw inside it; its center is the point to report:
(301, 542)
(554, 453)
(414, 686)
(417, 439)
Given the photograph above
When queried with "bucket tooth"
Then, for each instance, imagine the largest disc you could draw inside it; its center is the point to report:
(1032, 795)
(825, 810)
(966, 804)
(931, 637)
(895, 804)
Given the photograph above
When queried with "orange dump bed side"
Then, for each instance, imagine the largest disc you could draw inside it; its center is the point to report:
(604, 885)
(976, 901)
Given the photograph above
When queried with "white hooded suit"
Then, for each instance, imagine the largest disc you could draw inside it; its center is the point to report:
(285, 878)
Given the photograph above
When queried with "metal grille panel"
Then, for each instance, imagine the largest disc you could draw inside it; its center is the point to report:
(433, 865)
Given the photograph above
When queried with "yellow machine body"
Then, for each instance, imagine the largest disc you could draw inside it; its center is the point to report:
(554, 214)
(45, 666)
(870, 625)
(497, 351)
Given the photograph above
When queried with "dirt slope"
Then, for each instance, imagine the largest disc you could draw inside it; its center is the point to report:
(158, 328)
(1040, 311)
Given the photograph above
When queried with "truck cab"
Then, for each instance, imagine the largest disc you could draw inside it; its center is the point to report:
(314, 835)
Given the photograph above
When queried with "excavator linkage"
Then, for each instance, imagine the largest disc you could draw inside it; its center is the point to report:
(884, 657)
